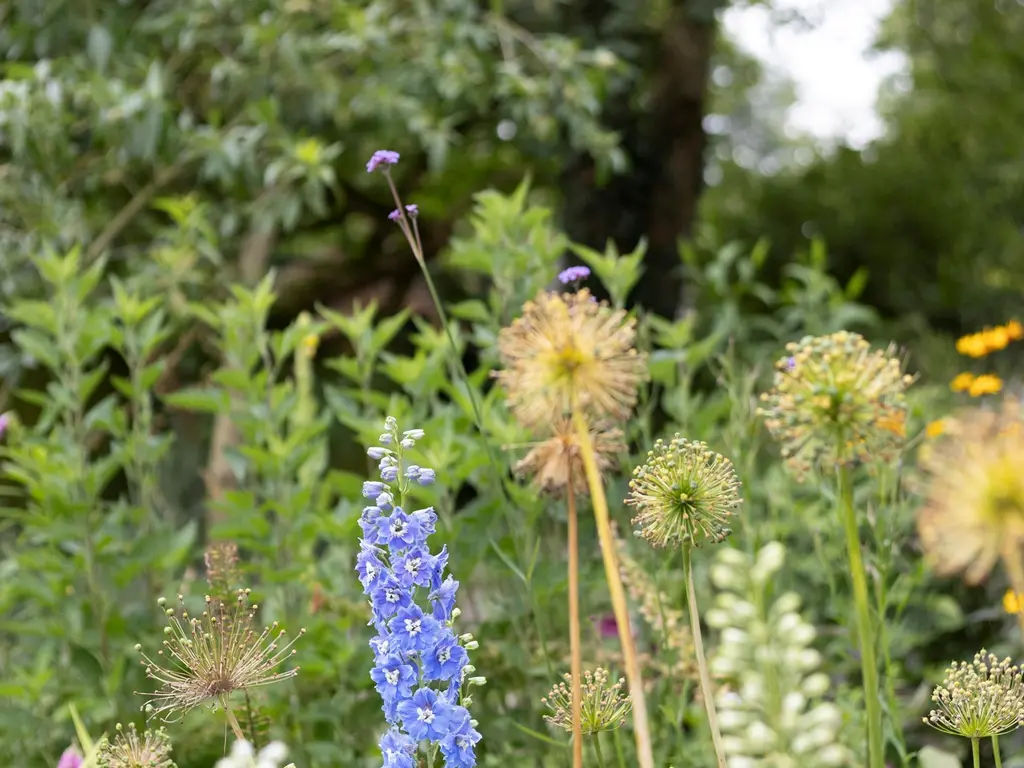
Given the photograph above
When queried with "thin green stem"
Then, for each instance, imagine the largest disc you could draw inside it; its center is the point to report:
(597, 750)
(975, 753)
(865, 628)
(707, 691)
(232, 720)
(620, 752)
(995, 752)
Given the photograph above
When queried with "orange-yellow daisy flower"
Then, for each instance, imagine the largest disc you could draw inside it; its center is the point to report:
(986, 384)
(962, 382)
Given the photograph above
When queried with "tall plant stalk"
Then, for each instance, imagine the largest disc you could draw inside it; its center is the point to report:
(865, 625)
(995, 752)
(641, 728)
(574, 625)
(707, 692)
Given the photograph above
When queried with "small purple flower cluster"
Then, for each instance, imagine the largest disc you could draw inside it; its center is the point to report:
(573, 275)
(421, 667)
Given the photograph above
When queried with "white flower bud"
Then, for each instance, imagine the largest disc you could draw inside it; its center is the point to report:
(816, 685)
(834, 754)
(733, 719)
(472, 645)
(718, 618)
(477, 681)
(760, 738)
(724, 577)
(733, 636)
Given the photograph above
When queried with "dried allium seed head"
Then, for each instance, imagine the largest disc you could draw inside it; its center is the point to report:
(684, 494)
(550, 462)
(151, 749)
(974, 508)
(605, 706)
(981, 699)
(211, 655)
(836, 401)
(565, 346)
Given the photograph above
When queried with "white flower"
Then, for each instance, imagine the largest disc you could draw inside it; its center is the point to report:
(243, 756)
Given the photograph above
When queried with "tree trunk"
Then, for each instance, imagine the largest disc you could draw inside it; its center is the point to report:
(663, 136)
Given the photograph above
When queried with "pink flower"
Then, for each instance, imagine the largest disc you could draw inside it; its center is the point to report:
(70, 759)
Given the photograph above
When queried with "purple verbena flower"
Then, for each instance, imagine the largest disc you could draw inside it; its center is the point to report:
(573, 274)
(381, 157)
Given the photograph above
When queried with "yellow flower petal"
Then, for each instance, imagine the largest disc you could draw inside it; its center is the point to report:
(986, 384)
(1013, 602)
(962, 382)
(935, 428)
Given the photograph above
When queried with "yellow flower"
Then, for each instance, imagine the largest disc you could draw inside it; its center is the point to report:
(896, 423)
(962, 382)
(986, 384)
(1014, 330)
(974, 509)
(997, 338)
(310, 343)
(569, 346)
(935, 428)
(1013, 602)
(972, 345)
(550, 462)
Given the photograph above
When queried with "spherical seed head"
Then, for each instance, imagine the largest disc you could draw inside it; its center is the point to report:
(130, 749)
(684, 494)
(978, 700)
(216, 654)
(552, 462)
(974, 490)
(605, 706)
(834, 400)
(570, 345)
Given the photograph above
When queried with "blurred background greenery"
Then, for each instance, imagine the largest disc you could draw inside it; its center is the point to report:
(206, 159)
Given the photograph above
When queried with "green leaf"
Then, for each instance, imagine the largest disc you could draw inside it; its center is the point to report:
(200, 399)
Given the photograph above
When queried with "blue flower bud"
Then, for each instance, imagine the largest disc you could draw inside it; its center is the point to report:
(414, 434)
(426, 477)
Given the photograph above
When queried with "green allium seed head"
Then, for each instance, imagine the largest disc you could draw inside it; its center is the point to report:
(684, 494)
(981, 699)
(131, 749)
(834, 400)
(605, 706)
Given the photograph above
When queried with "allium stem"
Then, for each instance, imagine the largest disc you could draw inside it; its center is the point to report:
(975, 753)
(574, 627)
(597, 750)
(641, 729)
(865, 627)
(706, 690)
(995, 751)
(232, 720)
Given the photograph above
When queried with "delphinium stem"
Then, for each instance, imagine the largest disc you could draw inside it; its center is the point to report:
(707, 692)
(865, 628)
(641, 729)
(574, 626)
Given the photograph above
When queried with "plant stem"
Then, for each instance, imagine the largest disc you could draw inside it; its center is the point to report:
(707, 692)
(995, 752)
(641, 729)
(574, 627)
(597, 750)
(975, 753)
(232, 720)
(865, 629)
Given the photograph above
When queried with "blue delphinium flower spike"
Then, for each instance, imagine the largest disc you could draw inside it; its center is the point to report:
(421, 667)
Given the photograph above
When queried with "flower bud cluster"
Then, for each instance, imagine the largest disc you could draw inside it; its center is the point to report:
(834, 400)
(421, 667)
(772, 714)
(978, 700)
(604, 708)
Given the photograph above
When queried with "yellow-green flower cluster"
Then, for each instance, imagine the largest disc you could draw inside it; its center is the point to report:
(605, 706)
(978, 700)
(684, 494)
(835, 401)
(130, 749)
